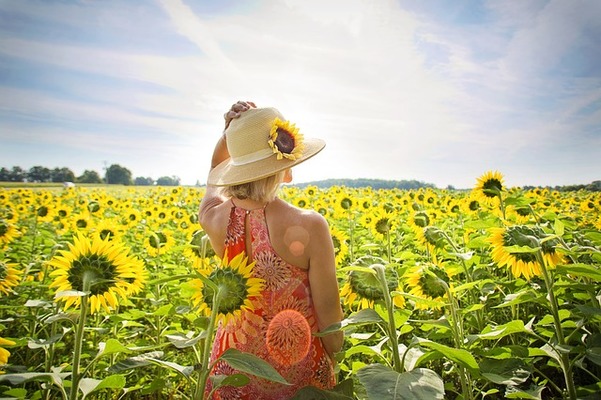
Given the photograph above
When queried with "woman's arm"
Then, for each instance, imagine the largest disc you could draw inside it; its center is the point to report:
(324, 283)
(212, 197)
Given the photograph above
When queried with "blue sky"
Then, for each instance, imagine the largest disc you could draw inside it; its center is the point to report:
(438, 91)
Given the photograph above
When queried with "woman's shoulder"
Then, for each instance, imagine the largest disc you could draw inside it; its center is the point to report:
(300, 216)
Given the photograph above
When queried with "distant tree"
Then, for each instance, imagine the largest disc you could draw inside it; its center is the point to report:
(62, 175)
(17, 174)
(594, 186)
(168, 181)
(141, 181)
(89, 176)
(39, 174)
(4, 175)
(116, 174)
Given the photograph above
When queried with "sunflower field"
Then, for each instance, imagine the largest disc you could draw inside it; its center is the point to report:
(495, 292)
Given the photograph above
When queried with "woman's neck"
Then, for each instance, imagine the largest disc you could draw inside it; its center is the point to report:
(249, 204)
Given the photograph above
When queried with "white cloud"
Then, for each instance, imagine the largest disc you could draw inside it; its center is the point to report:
(396, 95)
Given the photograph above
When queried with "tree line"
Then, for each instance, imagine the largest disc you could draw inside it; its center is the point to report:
(114, 175)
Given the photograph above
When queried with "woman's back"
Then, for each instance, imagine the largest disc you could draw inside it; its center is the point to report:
(280, 328)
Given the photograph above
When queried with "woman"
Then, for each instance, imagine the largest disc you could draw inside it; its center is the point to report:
(292, 250)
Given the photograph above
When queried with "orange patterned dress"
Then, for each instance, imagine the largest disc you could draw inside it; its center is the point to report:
(286, 288)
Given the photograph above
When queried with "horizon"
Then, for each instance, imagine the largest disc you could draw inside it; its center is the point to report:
(436, 92)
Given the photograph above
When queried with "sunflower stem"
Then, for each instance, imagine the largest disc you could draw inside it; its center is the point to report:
(78, 345)
(389, 246)
(392, 333)
(458, 334)
(205, 368)
(563, 355)
(502, 204)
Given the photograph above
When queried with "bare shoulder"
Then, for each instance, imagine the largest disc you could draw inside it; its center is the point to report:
(300, 216)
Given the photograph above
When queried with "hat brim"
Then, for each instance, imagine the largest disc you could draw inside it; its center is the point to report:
(227, 174)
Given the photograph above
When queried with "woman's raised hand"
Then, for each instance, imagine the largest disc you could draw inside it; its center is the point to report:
(236, 110)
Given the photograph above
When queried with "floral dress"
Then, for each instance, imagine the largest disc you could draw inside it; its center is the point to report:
(286, 288)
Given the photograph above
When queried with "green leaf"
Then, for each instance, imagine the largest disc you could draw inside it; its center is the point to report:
(89, 385)
(236, 380)
(18, 379)
(382, 383)
(490, 333)
(534, 393)
(523, 296)
(362, 317)
(460, 356)
(366, 350)
(112, 346)
(559, 227)
(163, 311)
(313, 393)
(594, 354)
(43, 343)
(251, 364)
(509, 372)
(581, 270)
(181, 341)
(183, 370)
(135, 362)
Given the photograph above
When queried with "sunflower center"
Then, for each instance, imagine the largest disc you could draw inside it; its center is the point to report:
(474, 205)
(346, 203)
(421, 219)
(284, 141)
(42, 211)
(383, 226)
(433, 236)
(196, 243)
(492, 187)
(368, 286)
(3, 228)
(157, 240)
(234, 289)
(430, 282)
(106, 233)
(521, 235)
(102, 270)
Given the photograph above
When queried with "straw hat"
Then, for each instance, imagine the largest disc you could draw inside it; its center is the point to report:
(261, 143)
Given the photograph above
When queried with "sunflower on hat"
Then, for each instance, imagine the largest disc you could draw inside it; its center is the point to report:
(285, 140)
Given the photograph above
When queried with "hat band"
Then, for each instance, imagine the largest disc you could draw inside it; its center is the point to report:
(252, 157)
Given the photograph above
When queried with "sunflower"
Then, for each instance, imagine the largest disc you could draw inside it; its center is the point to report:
(9, 277)
(489, 187)
(4, 354)
(132, 217)
(159, 242)
(364, 289)
(105, 264)
(285, 140)
(428, 283)
(523, 263)
(199, 249)
(431, 237)
(108, 228)
(383, 222)
(340, 240)
(236, 285)
(82, 222)
(8, 232)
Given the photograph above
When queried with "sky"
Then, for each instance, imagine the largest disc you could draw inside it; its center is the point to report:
(435, 91)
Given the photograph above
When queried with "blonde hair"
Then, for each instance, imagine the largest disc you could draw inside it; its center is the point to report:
(262, 190)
